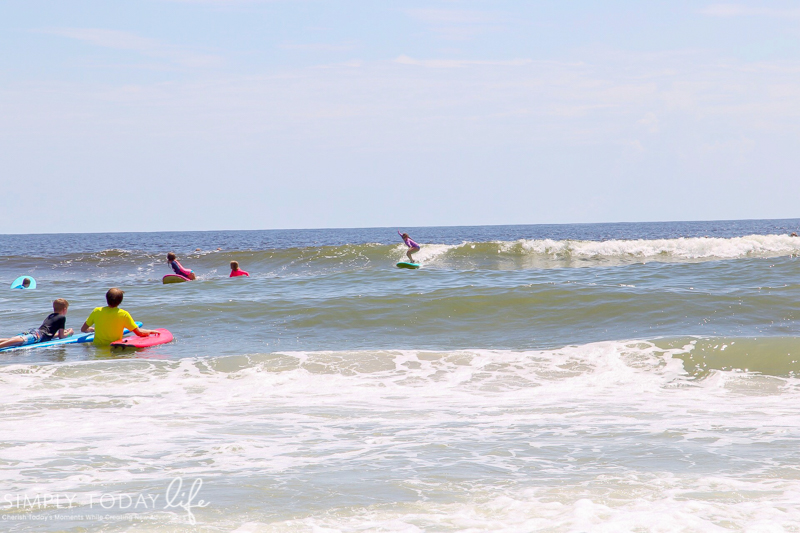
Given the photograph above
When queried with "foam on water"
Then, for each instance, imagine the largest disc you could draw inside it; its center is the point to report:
(680, 249)
(657, 505)
(605, 436)
(684, 248)
(696, 248)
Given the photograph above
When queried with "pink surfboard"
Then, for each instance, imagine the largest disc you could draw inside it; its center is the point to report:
(174, 278)
(136, 341)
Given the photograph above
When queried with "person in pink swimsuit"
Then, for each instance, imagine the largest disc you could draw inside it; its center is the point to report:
(412, 246)
(179, 270)
(236, 271)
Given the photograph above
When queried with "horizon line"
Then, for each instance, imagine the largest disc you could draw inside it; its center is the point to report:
(393, 227)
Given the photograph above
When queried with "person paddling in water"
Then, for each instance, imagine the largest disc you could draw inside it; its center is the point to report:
(172, 259)
(412, 246)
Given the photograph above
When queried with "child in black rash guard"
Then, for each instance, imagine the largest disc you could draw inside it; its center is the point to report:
(53, 326)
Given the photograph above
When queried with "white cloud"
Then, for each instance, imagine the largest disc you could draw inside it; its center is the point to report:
(457, 24)
(635, 145)
(410, 104)
(451, 16)
(737, 10)
(458, 63)
(222, 2)
(318, 47)
(649, 122)
(121, 40)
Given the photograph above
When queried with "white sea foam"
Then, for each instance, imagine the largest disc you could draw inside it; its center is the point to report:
(427, 253)
(684, 248)
(681, 249)
(664, 504)
(606, 436)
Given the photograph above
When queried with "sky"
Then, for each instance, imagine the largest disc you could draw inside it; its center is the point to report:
(156, 115)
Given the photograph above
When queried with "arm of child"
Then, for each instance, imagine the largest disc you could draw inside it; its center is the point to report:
(87, 326)
(62, 333)
(146, 332)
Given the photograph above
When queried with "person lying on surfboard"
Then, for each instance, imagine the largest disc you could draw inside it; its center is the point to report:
(53, 326)
(110, 322)
(412, 246)
(172, 259)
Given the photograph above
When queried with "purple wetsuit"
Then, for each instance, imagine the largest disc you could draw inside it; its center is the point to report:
(408, 241)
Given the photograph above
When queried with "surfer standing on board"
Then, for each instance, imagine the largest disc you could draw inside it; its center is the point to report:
(412, 246)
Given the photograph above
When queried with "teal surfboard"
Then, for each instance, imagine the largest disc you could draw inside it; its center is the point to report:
(17, 284)
(81, 337)
(407, 265)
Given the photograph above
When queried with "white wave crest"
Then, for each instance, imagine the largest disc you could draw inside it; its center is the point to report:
(542, 252)
(684, 248)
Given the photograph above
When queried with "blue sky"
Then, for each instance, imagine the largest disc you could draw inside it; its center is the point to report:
(247, 114)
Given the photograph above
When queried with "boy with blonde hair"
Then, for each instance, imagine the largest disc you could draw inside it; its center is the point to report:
(236, 271)
(53, 326)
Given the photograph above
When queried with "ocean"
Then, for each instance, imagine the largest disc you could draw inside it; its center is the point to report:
(595, 377)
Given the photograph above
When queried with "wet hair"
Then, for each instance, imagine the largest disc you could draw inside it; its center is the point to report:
(171, 257)
(234, 265)
(114, 297)
(60, 305)
(26, 282)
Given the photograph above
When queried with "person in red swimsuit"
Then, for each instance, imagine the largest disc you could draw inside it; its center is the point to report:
(235, 271)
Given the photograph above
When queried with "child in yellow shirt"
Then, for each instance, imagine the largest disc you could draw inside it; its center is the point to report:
(109, 322)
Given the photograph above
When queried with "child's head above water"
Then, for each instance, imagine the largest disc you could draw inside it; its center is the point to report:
(171, 257)
(26, 282)
(234, 265)
(60, 306)
(114, 297)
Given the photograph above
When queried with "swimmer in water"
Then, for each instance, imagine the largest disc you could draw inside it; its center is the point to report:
(412, 246)
(236, 271)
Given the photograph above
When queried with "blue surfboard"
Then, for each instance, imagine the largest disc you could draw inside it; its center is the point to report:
(17, 284)
(82, 337)
(403, 264)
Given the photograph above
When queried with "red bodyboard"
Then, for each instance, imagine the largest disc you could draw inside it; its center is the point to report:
(135, 341)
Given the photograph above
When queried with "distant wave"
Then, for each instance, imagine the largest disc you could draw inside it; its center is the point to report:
(494, 255)
(696, 248)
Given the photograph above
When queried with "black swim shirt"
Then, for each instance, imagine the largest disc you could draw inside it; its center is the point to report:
(51, 325)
